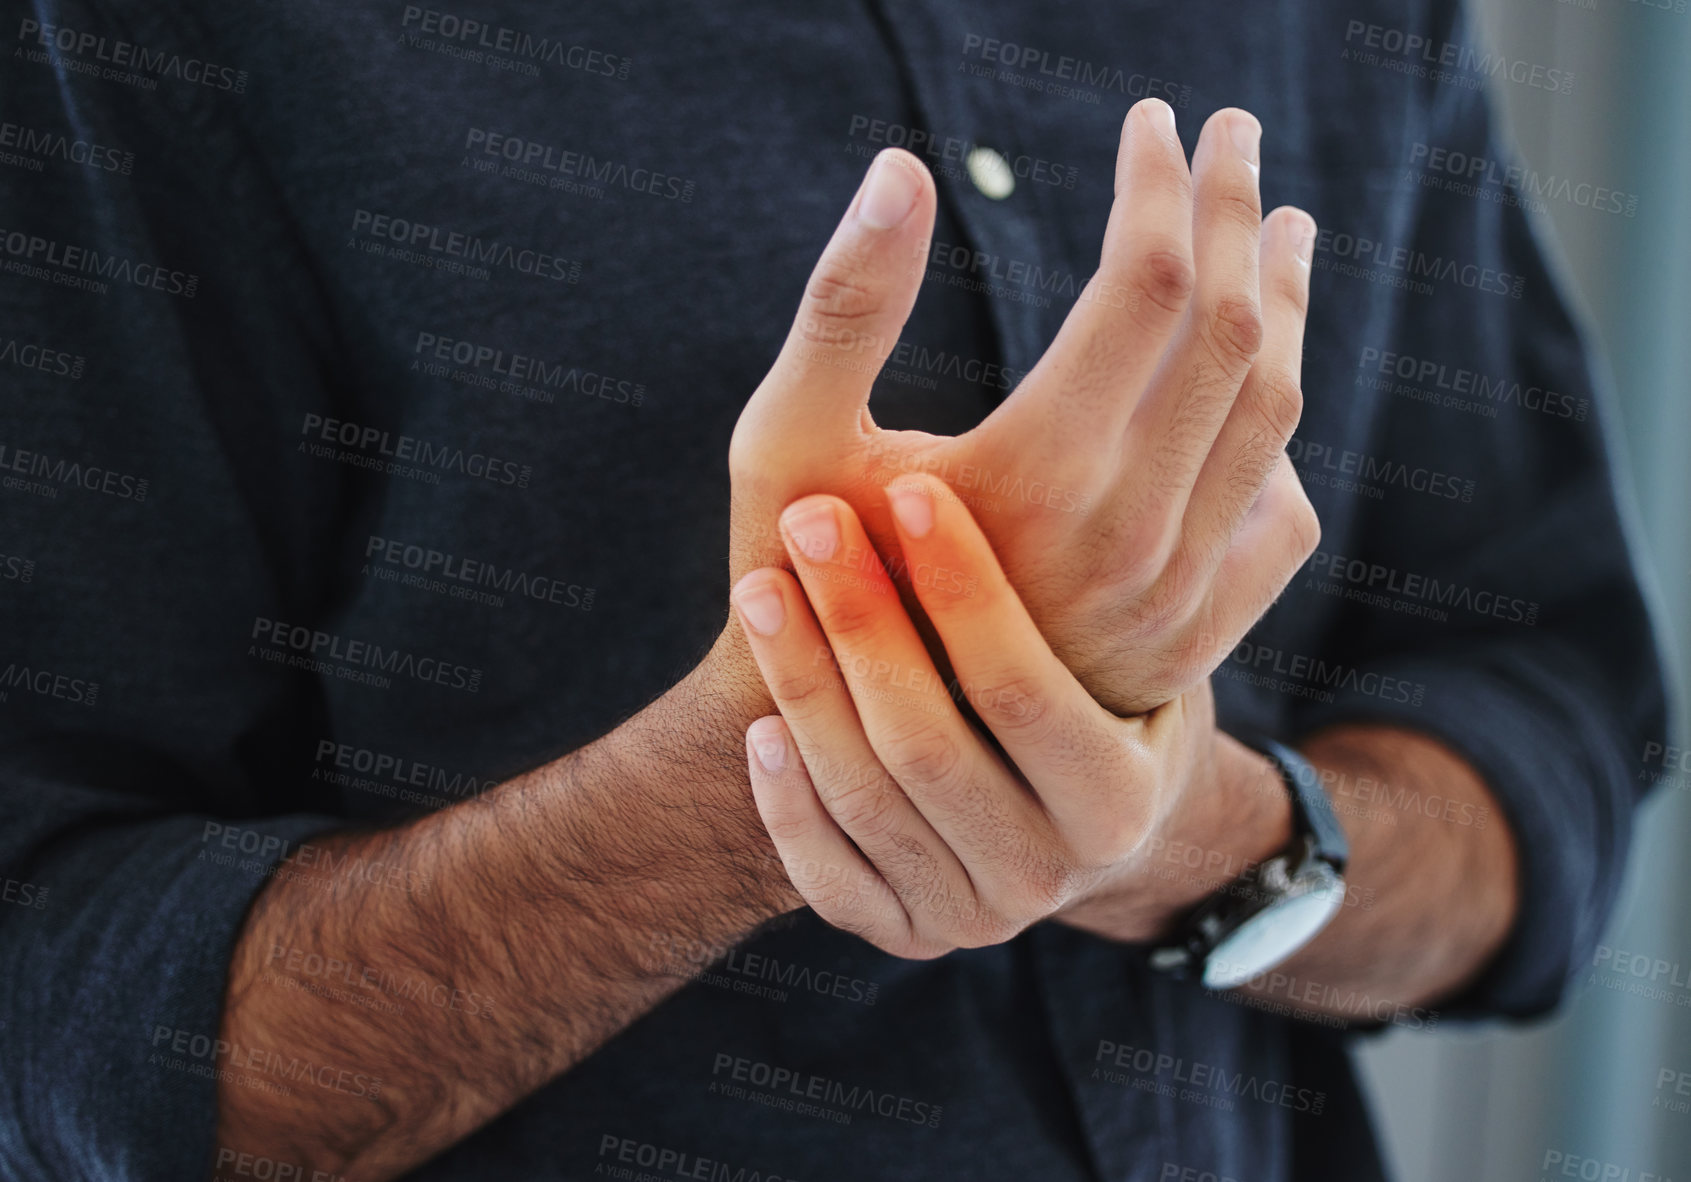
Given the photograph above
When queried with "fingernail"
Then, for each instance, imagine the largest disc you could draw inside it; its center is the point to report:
(889, 194)
(814, 530)
(914, 510)
(1302, 231)
(1161, 116)
(761, 605)
(1246, 133)
(771, 748)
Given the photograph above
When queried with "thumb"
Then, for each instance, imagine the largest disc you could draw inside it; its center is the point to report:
(855, 304)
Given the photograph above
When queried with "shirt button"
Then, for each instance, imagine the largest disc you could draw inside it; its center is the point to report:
(991, 173)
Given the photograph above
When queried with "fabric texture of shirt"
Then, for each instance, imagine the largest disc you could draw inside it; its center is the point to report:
(292, 295)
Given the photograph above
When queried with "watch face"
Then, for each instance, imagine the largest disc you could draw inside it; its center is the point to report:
(1274, 933)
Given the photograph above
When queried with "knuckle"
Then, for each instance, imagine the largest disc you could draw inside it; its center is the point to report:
(1184, 576)
(1193, 657)
(1234, 329)
(1046, 885)
(801, 694)
(912, 946)
(1163, 278)
(1129, 558)
(1293, 291)
(1303, 526)
(866, 807)
(842, 910)
(786, 826)
(1113, 838)
(985, 927)
(1114, 834)
(1249, 472)
(924, 754)
(855, 620)
(1241, 205)
(1011, 704)
(839, 298)
(1155, 614)
(1279, 399)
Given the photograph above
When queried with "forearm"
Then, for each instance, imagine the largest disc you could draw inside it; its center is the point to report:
(1431, 892)
(544, 918)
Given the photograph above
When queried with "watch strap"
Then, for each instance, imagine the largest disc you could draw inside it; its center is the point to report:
(1312, 808)
(1315, 828)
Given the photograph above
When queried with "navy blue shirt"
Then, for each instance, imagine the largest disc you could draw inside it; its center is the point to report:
(366, 378)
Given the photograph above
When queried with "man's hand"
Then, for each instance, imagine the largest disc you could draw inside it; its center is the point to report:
(1134, 485)
(899, 822)
(894, 817)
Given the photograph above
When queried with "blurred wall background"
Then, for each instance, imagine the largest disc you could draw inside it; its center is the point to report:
(1499, 1104)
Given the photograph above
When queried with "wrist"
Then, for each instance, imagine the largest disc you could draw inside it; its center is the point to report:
(1235, 815)
(702, 780)
(1222, 829)
(654, 834)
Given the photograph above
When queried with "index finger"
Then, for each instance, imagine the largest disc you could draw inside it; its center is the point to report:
(1087, 766)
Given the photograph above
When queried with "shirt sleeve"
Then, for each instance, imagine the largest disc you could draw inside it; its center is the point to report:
(151, 356)
(1497, 580)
